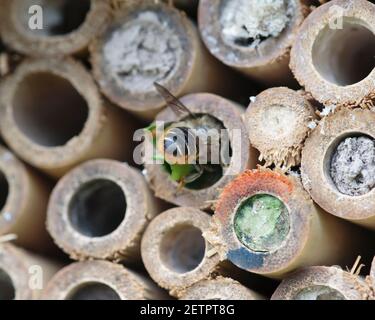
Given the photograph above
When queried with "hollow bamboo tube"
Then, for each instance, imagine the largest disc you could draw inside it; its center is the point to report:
(174, 251)
(100, 280)
(322, 283)
(262, 53)
(23, 203)
(338, 165)
(243, 155)
(278, 122)
(266, 223)
(150, 42)
(332, 56)
(100, 210)
(20, 271)
(218, 289)
(60, 28)
(80, 127)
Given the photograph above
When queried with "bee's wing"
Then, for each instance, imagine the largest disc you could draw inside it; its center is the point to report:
(172, 102)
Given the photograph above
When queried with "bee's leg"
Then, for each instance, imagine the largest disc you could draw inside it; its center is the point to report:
(194, 176)
(181, 185)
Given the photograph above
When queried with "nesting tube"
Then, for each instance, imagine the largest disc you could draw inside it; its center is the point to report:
(219, 289)
(52, 28)
(54, 118)
(278, 121)
(322, 283)
(174, 251)
(100, 210)
(23, 203)
(23, 275)
(253, 37)
(266, 223)
(203, 194)
(152, 42)
(100, 280)
(338, 165)
(332, 56)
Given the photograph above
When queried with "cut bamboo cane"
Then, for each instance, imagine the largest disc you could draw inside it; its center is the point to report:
(332, 56)
(266, 223)
(152, 42)
(278, 122)
(338, 165)
(80, 127)
(322, 283)
(253, 37)
(22, 274)
(100, 280)
(243, 155)
(219, 289)
(53, 28)
(174, 251)
(100, 210)
(23, 203)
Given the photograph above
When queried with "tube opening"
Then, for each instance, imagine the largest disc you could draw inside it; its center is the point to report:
(143, 50)
(48, 109)
(97, 208)
(183, 248)
(93, 291)
(7, 289)
(59, 17)
(4, 190)
(345, 56)
(262, 223)
(247, 23)
(350, 164)
(319, 292)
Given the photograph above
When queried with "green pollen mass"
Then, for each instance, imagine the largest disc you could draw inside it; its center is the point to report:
(261, 223)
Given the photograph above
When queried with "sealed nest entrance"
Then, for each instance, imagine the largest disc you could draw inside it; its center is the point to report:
(97, 208)
(319, 292)
(59, 17)
(143, 50)
(247, 23)
(48, 109)
(262, 223)
(345, 56)
(183, 248)
(94, 291)
(4, 190)
(352, 164)
(7, 290)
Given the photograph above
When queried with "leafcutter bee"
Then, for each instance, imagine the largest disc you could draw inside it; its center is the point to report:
(191, 147)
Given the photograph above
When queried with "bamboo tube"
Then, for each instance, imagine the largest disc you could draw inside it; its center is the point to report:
(23, 203)
(67, 27)
(322, 283)
(81, 126)
(100, 280)
(266, 223)
(174, 251)
(19, 271)
(253, 37)
(243, 156)
(332, 56)
(152, 42)
(338, 167)
(218, 289)
(100, 210)
(372, 278)
(278, 122)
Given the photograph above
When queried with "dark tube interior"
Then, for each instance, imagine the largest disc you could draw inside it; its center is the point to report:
(97, 208)
(7, 290)
(94, 291)
(48, 109)
(183, 248)
(4, 190)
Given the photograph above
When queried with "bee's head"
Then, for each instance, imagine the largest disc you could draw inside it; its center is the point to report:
(178, 145)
